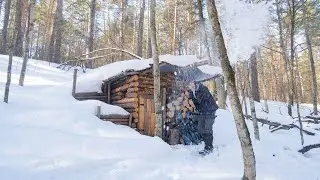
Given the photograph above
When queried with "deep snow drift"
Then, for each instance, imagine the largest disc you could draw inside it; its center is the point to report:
(46, 134)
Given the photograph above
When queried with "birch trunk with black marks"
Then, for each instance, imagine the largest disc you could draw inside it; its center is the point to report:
(156, 70)
(242, 129)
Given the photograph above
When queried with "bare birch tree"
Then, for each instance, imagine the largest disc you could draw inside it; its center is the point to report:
(156, 70)
(242, 129)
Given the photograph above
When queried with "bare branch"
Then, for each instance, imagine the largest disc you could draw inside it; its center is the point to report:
(271, 49)
(115, 49)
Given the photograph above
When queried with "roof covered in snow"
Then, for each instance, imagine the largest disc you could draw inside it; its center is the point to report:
(91, 81)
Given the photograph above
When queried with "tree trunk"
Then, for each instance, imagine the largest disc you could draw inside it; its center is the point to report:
(221, 93)
(242, 129)
(91, 30)
(203, 28)
(7, 88)
(297, 96)
(140, 30)
(173, 46)
(1, 2)
(251, 99)
(30, 25)
(285, 57)
(59, 30)
(50, 48)
(264, 85)
(122, 25)
(149, 52)
(310, 55)
(292, 52)
(254, 77)
(18, 28)
(156, 70)
(5, 26)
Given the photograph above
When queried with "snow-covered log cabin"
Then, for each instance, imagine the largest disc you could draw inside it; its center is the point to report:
(129, 84)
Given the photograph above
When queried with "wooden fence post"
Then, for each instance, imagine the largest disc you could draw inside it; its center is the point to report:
(109, 93)
(130, 120)
(74, 82)
(164, 109)
(98, 112)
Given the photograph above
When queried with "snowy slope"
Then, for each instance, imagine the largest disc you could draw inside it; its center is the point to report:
(47, 134)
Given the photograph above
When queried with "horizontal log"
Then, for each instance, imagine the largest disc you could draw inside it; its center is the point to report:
(126, 100)
(131, 110)
(128, 80)
(86, 94)
(275, 126)
(134, 89)
(117, 120)
(131, 95)
(132, 79)
(116, 98)
(121, 123)
(114, 116)
(124, 87)
(118, 94)
(308, 148)
(127, 105)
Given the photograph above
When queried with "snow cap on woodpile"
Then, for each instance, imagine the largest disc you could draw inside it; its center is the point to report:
(91, 81)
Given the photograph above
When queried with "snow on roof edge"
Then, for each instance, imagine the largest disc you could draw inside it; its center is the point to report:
(91, 81)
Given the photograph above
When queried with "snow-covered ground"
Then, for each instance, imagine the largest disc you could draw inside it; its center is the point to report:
(46, 134)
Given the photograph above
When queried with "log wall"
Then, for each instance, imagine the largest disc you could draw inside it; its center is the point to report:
(127, 93)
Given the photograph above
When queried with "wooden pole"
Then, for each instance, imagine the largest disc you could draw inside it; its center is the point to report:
(98, 111)
(164, 105)
(74, 83)
(130, 120)
(109, 93)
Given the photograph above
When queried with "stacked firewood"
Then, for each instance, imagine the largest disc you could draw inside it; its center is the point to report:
(182, 102)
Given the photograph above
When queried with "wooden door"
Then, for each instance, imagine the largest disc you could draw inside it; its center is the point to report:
(146, 115)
